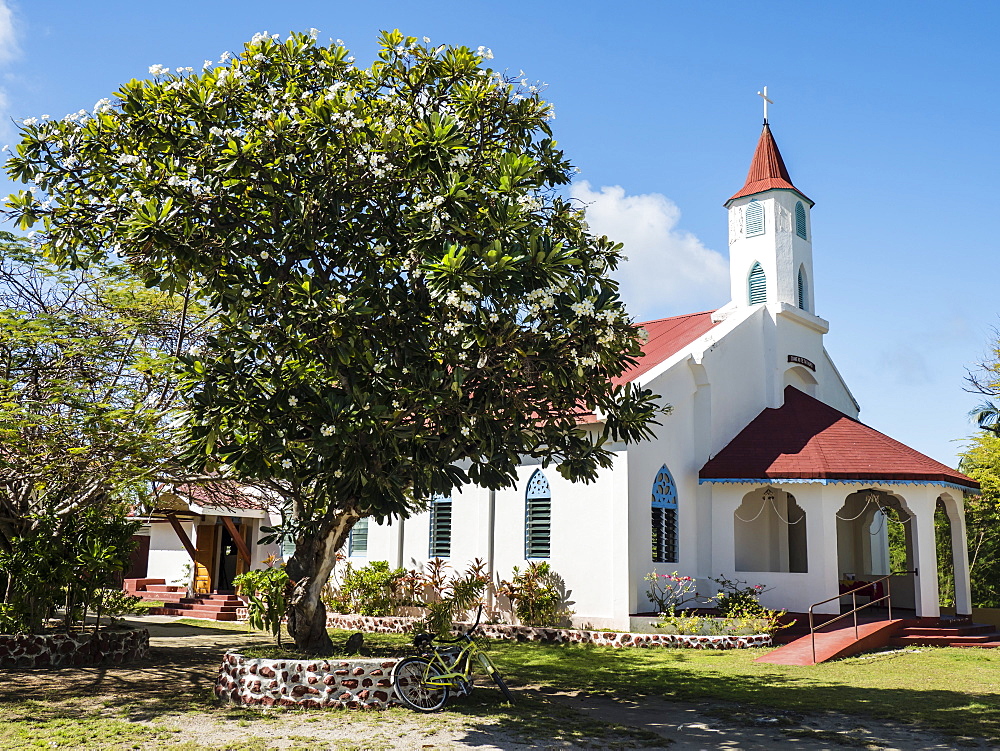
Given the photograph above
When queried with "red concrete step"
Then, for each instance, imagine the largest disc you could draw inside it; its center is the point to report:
(834, 642)
(165, 588)
(159, 596)
(208, 615)
(972, 628)
(944, 640)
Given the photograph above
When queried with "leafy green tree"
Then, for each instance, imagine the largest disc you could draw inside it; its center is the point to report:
(405, 303)
(981, 461)
(85, 388)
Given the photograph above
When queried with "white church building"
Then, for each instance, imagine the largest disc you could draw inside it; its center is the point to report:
(761, 473)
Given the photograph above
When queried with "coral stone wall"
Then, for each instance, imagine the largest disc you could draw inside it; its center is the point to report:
(403, 625)
(77, 650)
(353, 684)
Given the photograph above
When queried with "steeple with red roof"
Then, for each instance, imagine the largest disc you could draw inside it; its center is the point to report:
(767, 170)
(770, 234)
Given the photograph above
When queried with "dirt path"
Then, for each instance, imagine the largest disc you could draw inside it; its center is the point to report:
(721, 725)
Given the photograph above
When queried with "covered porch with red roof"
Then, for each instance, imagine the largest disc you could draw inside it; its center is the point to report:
(805, 498)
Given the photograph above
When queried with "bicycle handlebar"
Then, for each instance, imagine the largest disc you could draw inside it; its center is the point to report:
(460, 637)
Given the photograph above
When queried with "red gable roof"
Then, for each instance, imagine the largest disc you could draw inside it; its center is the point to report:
(807, 439)
(667, 336)
(767, 169)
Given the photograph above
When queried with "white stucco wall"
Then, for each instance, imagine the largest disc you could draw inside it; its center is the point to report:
(167, 555)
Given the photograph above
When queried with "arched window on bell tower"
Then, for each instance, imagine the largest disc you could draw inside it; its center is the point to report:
(800, 220)
(803, 287)
(756, 285)
(755, 218)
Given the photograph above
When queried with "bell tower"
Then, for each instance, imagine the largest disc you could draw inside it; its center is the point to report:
(770, 233)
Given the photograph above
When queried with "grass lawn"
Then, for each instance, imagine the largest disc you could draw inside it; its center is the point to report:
(949, 689)
(166, 701)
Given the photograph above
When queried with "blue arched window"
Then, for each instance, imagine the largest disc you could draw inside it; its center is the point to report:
(664, 517)
(800, 220)
(755, 219)
(440, 533)
(803, 303)
(538, 517)
(756, 285)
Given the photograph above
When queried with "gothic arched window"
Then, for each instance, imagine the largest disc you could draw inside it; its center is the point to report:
(803, 303)
(755, 218)
(538, 517)
(756, 284)
(800, 220)
(664, 517)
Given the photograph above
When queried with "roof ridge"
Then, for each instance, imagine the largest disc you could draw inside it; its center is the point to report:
(671, 318)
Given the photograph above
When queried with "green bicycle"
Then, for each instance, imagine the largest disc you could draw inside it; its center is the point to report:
(425, 683)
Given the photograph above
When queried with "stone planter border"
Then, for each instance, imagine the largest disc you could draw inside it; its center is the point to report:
(309, 684)
(603, 638)
(113, 647)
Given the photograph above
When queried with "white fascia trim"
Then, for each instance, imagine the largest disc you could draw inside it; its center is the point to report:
(803, 317)
(828, 481)
(842, 381)
(699, 346)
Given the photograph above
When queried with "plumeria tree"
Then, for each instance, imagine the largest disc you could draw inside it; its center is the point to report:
(404, 302)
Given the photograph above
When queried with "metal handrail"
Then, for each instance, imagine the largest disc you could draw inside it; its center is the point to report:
(854, 601)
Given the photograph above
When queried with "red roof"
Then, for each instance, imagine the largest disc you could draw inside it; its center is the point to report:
(807, 439)
(767, 169)
(667, 336)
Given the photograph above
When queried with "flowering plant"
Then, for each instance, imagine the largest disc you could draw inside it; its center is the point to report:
(667, 591)
(740, 600)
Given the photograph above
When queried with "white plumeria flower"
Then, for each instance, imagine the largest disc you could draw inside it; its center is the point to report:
(465, 430)
(158, 69)
(264, 255)
(247, 293)
(292, 401)
(337, 473)
(327, 430)
(286, 463)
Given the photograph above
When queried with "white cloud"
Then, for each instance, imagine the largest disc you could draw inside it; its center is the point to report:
(8, 37)
(669, 271)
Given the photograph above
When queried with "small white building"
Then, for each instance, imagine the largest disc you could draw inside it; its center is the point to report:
(762, 472)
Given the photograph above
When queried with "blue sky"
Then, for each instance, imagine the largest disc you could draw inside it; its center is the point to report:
(886, 114)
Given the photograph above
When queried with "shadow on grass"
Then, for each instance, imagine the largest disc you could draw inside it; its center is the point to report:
(944, 689)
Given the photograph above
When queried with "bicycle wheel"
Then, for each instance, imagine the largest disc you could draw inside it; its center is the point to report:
(491, 669)
(502, 686)
(408, 680)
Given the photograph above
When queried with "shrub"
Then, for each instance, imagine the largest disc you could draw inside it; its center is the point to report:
(537, 595)
(667, 591)
(267, 592)
(738, 599)
(446, 597)
(371, 590)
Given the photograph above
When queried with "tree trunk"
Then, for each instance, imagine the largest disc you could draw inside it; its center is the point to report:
(308, 571)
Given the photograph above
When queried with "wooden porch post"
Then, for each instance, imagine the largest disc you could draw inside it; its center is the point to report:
(182, 535)
(241, 545)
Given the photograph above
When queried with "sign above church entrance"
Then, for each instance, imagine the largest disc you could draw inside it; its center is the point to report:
(802, 361)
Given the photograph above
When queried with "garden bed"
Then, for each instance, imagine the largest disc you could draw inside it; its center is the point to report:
(603, 638)
(108, 647)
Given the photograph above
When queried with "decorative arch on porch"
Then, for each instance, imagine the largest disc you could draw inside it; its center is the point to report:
(877, 536)
(770, 533)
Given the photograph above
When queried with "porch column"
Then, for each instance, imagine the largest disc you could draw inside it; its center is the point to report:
(921, 502)
(821, 526)
(955, 508)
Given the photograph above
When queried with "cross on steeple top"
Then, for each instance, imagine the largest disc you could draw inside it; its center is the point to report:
(763, 95)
